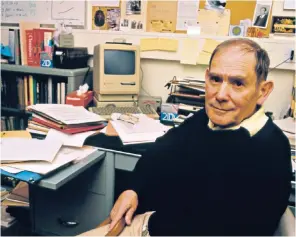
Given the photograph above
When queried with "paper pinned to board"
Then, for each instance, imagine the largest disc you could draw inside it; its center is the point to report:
(168, 44)
(189, 51)
(203, 58)
(159, 44)
(149, 44)
(211, 18)
(210, 45)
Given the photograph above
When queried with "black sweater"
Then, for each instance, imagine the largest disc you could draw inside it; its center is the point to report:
(205, 182)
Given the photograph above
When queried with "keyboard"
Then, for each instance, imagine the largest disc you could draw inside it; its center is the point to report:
(106, 111)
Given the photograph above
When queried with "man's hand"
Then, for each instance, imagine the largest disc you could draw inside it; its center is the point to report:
(125, 206)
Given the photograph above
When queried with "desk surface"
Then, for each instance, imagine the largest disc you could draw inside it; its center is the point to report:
(58, 178)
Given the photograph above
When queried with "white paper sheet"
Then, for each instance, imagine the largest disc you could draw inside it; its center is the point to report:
(10, 169)
(75, 140)
(64, 156)
(105, 3)
(23, 149)
(146, 130)
(186, 14)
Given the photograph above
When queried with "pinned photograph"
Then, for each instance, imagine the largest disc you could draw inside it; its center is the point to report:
(113, 18)
(124, 25)
(133, 7)
(261, 15)
(215, 5)
(105, 18)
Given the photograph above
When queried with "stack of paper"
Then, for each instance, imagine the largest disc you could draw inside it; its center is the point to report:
(144, 131)
(68, 119)
(63, 157)
(19, 196)
(24, 149)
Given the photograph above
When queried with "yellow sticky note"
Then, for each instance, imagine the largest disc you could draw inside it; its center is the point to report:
(168, 44)
(189, 51)
(210, 45)
(149, 44)
(203, 58)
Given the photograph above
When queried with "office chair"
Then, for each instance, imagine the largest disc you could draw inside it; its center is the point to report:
(286, 225)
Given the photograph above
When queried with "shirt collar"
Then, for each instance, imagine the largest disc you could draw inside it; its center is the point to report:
(252, 124)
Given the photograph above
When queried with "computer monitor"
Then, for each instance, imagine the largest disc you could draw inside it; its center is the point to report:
(116, 72)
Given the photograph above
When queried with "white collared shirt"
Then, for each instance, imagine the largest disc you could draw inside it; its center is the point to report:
(253, 124)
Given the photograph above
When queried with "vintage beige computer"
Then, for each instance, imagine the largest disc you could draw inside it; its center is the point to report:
(116, 72)
(116, 79)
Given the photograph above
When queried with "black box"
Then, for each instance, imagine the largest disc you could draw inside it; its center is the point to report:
(70, 58)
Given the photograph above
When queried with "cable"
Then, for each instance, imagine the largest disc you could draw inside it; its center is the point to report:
(280, 64)
(85, 76)
(142, 79)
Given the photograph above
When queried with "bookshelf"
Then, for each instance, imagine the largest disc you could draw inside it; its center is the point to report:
(74, 77)
(47, 85)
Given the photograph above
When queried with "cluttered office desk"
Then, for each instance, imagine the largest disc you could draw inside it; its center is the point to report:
(80, 195)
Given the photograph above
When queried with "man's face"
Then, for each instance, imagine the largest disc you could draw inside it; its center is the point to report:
(231, 87)
(262, 11)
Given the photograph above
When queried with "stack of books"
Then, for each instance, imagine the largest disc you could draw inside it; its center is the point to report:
(65, 118)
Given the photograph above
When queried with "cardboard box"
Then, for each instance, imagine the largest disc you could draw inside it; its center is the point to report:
(79, 100)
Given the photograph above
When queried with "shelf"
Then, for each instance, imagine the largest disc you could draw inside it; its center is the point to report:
(43, 70)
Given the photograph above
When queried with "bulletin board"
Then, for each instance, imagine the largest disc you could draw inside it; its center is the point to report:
(241, 10)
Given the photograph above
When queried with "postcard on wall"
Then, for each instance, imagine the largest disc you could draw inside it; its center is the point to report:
(105, 18)
(136, 25)
(133, 7)
(283, 25)
(261, 14)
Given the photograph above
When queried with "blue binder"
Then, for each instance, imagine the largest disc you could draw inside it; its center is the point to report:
(25, 176)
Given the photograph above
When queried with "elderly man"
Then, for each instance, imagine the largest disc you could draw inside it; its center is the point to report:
(224, 171)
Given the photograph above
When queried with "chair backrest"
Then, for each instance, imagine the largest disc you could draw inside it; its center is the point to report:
(286, 225)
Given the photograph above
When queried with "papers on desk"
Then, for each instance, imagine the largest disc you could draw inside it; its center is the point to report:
(144, 131)
(76, 140)
(66, 114)
(63, 157)
(24, 149)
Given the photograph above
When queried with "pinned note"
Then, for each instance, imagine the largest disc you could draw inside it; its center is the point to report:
(168, 44)
(189, 51)
(210, 45)
(161, 44)
(203, 58)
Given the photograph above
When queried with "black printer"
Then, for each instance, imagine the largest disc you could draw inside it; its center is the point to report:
(70, 58)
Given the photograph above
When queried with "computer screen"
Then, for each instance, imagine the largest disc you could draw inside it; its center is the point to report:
(119, 62)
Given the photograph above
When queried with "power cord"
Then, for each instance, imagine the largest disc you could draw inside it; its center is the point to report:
(142, 79)
(280, 64)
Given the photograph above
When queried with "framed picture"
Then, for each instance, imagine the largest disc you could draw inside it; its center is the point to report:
(283, 25)
(261, 15)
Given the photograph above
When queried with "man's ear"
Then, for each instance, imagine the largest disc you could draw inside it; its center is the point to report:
(265, 88)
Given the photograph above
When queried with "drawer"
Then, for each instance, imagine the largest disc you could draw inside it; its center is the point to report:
(67, 214)
(125, 162)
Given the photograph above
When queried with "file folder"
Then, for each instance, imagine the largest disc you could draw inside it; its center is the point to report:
(25, 176)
